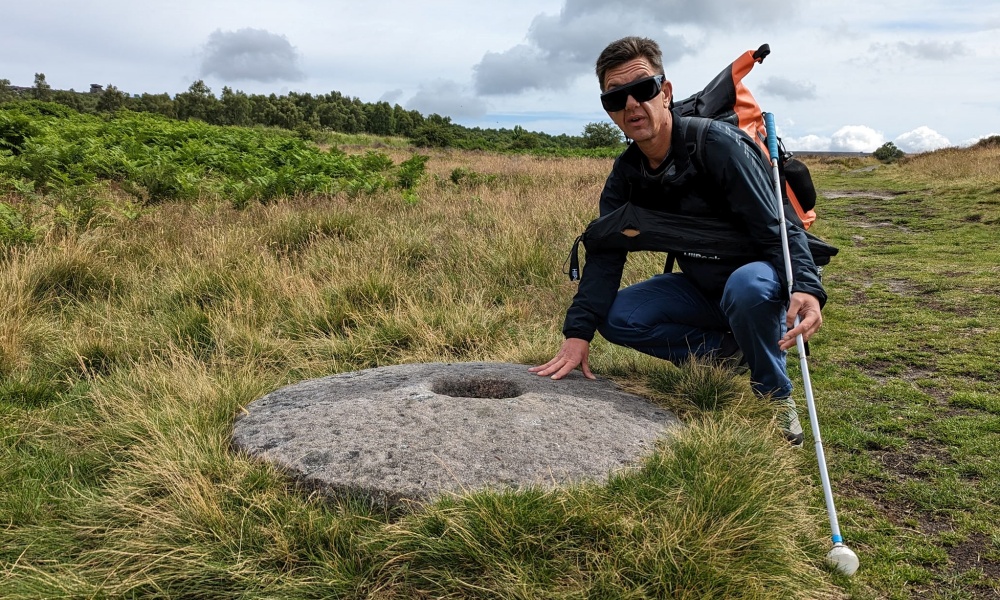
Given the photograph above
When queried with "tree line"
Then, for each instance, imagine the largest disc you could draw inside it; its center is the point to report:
(311, 114)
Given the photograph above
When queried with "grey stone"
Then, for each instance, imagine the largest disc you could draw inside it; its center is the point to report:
(413, 432)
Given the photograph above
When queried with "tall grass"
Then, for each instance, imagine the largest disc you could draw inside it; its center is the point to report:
(128, 346)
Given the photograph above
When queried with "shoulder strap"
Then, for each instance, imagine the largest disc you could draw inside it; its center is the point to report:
(695, 130)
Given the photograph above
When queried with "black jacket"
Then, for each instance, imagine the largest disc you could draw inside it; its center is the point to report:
(733, 184)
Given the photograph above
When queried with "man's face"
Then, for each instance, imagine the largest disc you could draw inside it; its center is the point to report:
(640, 121)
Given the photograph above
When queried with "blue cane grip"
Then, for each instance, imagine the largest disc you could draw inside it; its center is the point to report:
(772, 135)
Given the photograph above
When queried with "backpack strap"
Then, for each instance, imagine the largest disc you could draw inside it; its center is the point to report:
(695, 130)
(573, 260)
(668, 267)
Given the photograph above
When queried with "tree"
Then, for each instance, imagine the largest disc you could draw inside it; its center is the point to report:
(600, 135)
(236, 107)
(41, 90)
(79, 102)
(330, 116)
(161, 104)
(524, 139)
(406, 121)
(380, 119)
(888, 152)
(5, 92)
(285, 113)
(111, 99)
(197, 103)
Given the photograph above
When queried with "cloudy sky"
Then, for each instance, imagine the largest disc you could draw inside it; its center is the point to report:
(843, 74)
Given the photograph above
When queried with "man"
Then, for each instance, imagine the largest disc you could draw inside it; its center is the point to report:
(712, 308)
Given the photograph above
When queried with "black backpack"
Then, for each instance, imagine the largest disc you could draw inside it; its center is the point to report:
(633, 228)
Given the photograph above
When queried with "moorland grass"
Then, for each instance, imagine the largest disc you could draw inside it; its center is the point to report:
(129, 344)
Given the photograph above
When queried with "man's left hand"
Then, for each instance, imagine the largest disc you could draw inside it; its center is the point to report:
(806, 308)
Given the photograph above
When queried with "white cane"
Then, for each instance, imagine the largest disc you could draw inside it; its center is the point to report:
(840, 557)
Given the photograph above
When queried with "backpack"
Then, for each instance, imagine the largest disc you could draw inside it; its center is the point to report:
(725, 98)
(634, 228)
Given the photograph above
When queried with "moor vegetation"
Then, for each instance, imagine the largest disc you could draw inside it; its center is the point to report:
(316, 117)
(157, 276)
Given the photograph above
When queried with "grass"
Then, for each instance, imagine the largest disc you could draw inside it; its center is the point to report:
(913, 331)
(128, 343)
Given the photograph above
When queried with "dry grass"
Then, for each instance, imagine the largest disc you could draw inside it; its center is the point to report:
(127, 350)
(974, 167)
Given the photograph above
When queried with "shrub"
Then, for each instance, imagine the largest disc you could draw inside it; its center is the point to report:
(601, 135)
(411, 171)
(888, 152)
(433, 135)
(14, 230)
(15, 130)
(992, 141)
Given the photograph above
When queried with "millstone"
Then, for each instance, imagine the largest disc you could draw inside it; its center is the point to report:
(413, 432)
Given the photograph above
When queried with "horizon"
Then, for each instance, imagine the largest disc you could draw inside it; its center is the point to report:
(798, 151)
(540, 117)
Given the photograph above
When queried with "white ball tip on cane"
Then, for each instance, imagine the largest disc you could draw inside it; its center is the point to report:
(843, 559)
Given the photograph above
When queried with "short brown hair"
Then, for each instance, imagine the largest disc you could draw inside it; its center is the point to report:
(629, 48)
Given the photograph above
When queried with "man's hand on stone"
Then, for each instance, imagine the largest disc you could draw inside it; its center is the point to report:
(806, 308)
(574, 353)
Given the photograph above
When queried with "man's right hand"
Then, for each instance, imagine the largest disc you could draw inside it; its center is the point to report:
(574, 352)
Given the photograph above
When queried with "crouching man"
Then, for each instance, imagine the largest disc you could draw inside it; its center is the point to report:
(722, 309)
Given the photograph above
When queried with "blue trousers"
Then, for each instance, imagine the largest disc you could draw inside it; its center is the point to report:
(668, 317)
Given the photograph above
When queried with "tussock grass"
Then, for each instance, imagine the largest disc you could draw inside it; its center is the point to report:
(705, 385)
(73, 276)
(679, 526)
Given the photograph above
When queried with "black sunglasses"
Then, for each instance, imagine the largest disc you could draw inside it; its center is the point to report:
(642, 90)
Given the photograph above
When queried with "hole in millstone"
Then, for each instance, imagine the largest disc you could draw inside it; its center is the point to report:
(477, 387)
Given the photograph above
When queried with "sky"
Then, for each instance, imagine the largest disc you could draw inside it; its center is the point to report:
(843, 75)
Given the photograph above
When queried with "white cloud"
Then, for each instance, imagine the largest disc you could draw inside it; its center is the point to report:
(856, 138)
(520, 68)
(808, 143)
(921, 139)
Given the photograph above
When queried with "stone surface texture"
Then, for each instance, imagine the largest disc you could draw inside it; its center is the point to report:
(415, 431)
